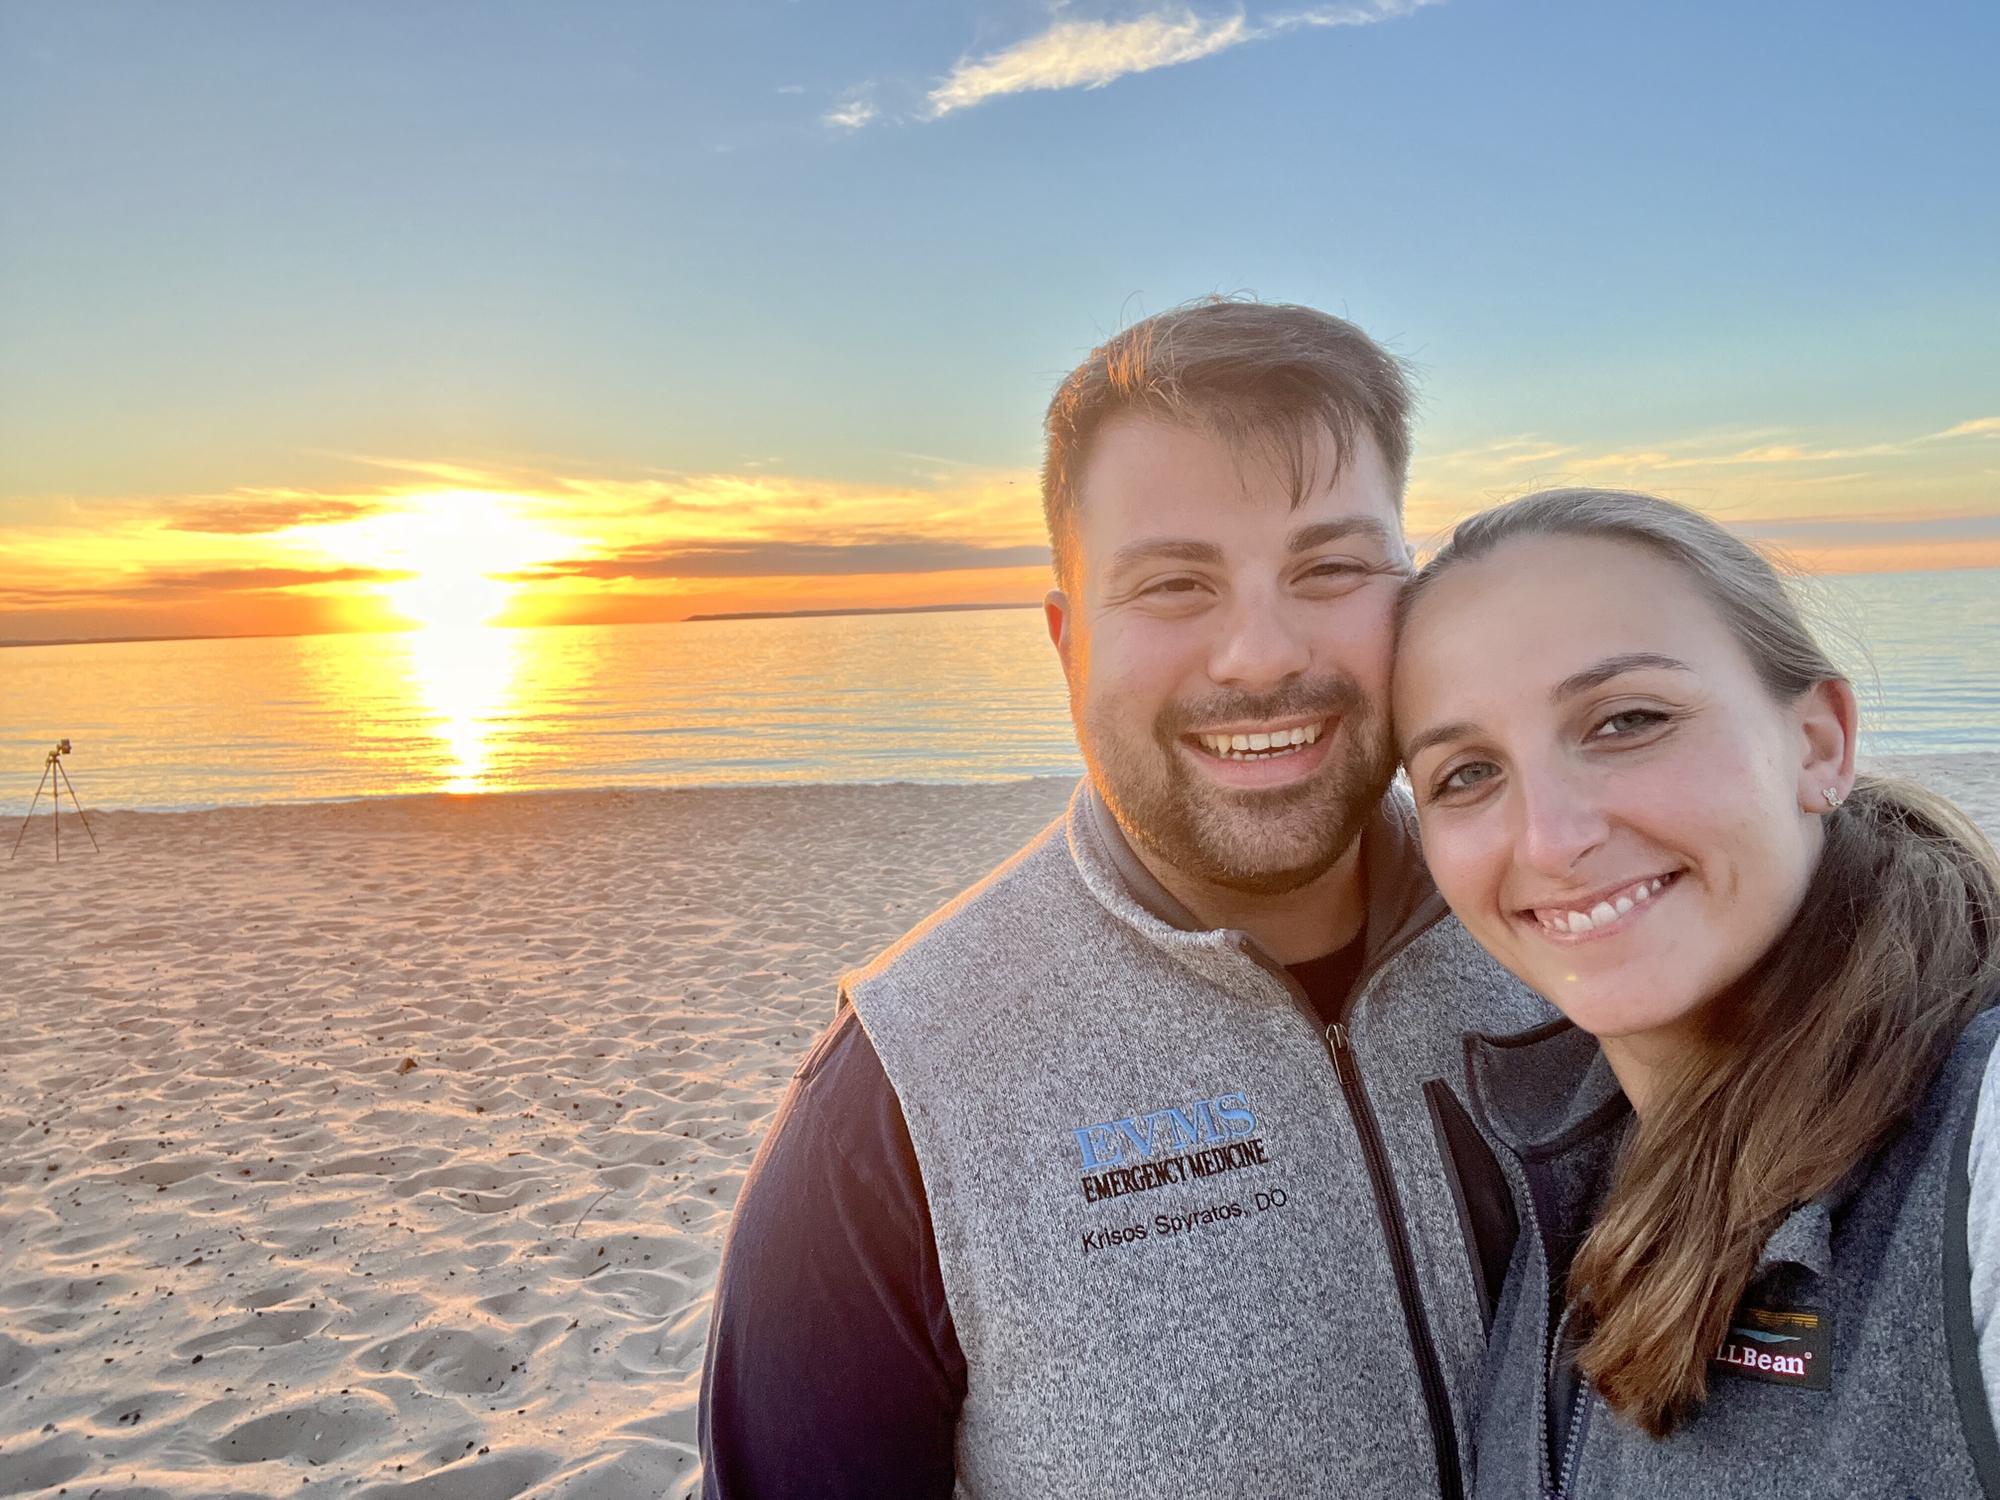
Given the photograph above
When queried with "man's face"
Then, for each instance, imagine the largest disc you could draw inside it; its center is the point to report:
(1228, 655)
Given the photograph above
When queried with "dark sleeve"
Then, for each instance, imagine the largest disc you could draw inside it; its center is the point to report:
(833, 1369)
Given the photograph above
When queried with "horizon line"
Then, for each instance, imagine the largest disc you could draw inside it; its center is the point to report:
(293, 635)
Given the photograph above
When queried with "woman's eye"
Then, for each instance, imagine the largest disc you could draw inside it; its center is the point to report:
(1628, 721)
(1463, 778)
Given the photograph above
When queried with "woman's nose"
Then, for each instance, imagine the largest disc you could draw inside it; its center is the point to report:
(1561, 822)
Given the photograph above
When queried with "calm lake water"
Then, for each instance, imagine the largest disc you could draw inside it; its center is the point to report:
(941, 697)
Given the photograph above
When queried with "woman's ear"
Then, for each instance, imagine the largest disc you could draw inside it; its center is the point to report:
(1828, 720)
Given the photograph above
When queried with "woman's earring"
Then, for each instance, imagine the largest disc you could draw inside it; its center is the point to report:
(1832, 795)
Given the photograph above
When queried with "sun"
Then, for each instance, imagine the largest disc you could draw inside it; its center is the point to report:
(449, 593)
(456, 552)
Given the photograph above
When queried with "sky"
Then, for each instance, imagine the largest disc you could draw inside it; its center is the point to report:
(392, 312)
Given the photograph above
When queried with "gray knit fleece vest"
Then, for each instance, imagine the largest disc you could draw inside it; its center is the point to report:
(1851, 1368)
(1158, 1235)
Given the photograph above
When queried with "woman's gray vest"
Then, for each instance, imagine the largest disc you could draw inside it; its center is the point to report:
(1161, 1223)
(1851, 1367)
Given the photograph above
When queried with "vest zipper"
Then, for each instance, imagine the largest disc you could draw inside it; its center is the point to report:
(1557, 1472)
(1450, 1482)
(1573, 1442)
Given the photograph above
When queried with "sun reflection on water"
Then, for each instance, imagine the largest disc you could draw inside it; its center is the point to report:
(463, 677)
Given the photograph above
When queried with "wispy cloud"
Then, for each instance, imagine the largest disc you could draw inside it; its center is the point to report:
(1087, 54)
(264, 514)
(1090, 54)
(448, 473)
(1875, 529)
(1756, 450)
(1978, 427)
(1764, 454)
(207, 581)
(854, 112)
(258, 580)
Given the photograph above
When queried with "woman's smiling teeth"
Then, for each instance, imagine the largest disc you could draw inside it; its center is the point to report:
(1263, 745)
(1570, 921)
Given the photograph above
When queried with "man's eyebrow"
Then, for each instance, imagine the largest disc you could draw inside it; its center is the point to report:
(1614, 666)
(1177, 548)
(1320, 533)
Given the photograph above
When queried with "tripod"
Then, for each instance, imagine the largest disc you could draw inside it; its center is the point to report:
(55, 778)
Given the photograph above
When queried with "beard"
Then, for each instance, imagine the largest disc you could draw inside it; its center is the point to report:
(1262, 841)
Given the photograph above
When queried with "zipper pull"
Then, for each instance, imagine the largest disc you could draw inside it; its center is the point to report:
(1343, 1052)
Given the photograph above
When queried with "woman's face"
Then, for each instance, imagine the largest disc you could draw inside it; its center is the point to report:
(1611, 801)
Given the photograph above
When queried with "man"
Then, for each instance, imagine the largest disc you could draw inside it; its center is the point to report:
(1135, 1169)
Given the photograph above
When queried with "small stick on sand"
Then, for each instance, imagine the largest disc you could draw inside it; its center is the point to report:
(586, 1211)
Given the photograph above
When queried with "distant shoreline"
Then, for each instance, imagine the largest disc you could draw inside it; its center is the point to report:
(827, 614)
(755, 614)
(160, 640)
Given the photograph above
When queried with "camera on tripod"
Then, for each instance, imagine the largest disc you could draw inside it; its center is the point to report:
(55, 778)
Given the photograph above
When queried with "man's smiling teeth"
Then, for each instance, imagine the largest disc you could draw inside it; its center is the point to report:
(1259, 746)
(1610, 909)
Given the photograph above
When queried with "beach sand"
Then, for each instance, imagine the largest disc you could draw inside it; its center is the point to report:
(386, 1148)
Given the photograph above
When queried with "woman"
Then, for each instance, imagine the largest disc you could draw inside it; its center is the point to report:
(1743, 1264)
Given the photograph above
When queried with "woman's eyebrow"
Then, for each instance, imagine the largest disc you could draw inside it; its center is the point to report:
(1614, 666)
(1592, 676)
(1436, 735)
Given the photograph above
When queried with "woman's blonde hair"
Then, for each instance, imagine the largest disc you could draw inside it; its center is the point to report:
(1826, 1046)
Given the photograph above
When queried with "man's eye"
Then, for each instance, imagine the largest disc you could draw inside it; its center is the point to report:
(1339, 568)
(1627, 721)
(1173, 586)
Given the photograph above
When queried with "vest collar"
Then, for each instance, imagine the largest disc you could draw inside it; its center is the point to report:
(1400, 898)
(1805, 1238)
(1544, 1091)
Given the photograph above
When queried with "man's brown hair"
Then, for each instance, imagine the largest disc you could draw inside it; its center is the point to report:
(1262, 377)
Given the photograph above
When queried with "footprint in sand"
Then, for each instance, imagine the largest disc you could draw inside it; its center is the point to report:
(259, 1332)
(41, 1468)
(498, 1476)
(318, 1431)
(643, 1466)
(271, 1296)
(16, 1360)
(445, 1359)
(167, 1171)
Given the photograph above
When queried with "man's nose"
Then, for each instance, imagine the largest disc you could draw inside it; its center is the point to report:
(1260, 645)
(1561, 821)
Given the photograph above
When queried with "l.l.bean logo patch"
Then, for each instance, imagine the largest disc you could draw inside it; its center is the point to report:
(1782, 1345)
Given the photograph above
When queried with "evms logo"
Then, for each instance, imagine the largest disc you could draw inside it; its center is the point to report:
(1184, 1141)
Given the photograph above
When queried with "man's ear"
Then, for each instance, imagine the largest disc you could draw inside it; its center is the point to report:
(1829, 721)
(1055, 610)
